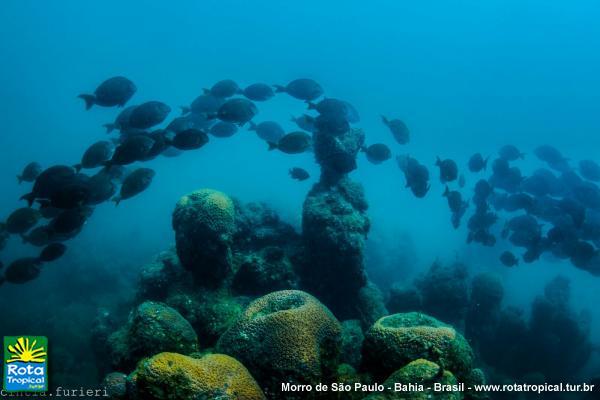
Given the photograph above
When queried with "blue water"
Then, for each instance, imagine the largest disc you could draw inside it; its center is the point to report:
(465, 76)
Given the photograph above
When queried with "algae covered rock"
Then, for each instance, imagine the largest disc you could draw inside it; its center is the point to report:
(152, 328)
(352, 339)
(263, 272)
(285, 336)
(115, 385)
(398, 339)
(174, 376)
(414, 379)
(204, 224)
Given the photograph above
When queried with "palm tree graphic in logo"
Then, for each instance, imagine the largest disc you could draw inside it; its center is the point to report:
(24, 351)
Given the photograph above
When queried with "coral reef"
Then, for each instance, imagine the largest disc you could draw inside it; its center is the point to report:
(265, 271)
(115, 384)
(352, 339)
(285, 336)
(204, 224)
(419, 372)
(152, 328)
(396, 340)
(174, 376)
(334, 227)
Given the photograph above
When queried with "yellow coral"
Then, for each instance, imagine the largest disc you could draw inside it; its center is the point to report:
(285, 336)
(209, 207)
(175, 376)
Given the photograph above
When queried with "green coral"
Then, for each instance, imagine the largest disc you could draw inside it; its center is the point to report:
(174, 376)
(419, 372)
(398, 339)
(152, 328)
(285, 336)
(204, 224)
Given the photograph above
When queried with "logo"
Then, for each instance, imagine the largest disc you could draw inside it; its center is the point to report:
(25, 363)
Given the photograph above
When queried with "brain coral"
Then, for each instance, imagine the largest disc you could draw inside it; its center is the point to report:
(285, 336)
(396, 340)
(204, 223)
(174, 376)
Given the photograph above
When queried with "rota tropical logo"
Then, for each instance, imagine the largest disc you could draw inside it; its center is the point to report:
(25, 363)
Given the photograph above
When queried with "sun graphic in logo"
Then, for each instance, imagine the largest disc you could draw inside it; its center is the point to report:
(24, 351)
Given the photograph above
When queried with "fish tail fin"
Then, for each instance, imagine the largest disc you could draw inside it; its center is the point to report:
(485, 163)
(19, 179)
(109, 127)
(292, 118)
(89, 100)
(185, 110)
(311, 106)
(78, 167)
(446, 192)
(252, 126)
(24, 238)
(30, 197)
(279, 89)
(385, 119)
(117, 200)
(363, 148)
(438, 161)
(272, 145)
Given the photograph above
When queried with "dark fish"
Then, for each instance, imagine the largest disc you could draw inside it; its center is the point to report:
(582, 253)
(96, 155)
(302, 89)
(69, 222)
(115, 172)
(237, 111)
(223, 129)
(508, 259)
(148, 114)
(335, 109)
(259, 92)
(454, 198)
(510, 153)
(377, 153)
(482, 220)
(481, 236)
(305, 122)
(52, 252)
(269, 131)
(122, 121)
(171, 152)
(299, 174)
(112, 92)
(30, 172)
(48, 182)
(519, 201)
(448, 170)
(39, 236)
(132, 149)
(416, 175)
(204, 104)
(398, 128)
(332, 124)
(135, 183)
(223, 89)
(590, 170)
(72, 194)
(477, 162)
(102, 188)
(190, 139)
(293, 143)
(161, 143)
(21, 220)
(22, 270)
(549, 154)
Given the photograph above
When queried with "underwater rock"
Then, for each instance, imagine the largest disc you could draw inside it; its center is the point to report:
(445, 292)
(258, 226)
(152, 328)
(177, 377)
(487, 293)
(264, 272)
(156, 277)
(204, 222)
(336, 154)
(370, 305)
(334, 229)
(285, 336)
(115, 384)
(398, 339)
(419, 372)
(352, 339)
(404, 299)
(209, 312)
